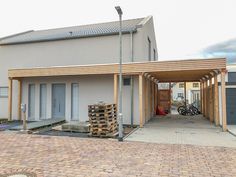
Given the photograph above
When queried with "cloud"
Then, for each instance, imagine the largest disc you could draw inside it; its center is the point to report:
(225, 49)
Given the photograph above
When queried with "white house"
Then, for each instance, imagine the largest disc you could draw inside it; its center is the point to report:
(68, 96)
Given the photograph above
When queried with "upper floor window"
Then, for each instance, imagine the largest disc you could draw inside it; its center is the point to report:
(149, 50)
(3, 91)
(181, 85)
(195, 85)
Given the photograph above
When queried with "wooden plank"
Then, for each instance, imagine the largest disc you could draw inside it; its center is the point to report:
(216, 101)
(211, 101)
(223, 101)
(19, 98)
(116, 89)
(9, 99)
(181, 66)
(141, 100)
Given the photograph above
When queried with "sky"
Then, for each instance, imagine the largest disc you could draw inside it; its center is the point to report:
(183, 28)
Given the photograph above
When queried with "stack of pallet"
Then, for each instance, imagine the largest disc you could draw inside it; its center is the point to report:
(103, 120)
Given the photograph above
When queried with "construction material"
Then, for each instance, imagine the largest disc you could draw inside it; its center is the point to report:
(76, 126)
(103, 120)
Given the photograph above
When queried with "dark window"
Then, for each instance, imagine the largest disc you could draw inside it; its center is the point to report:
(195, 85)
(181, 95)
(181, 85)
(126, 81)
(149, 49)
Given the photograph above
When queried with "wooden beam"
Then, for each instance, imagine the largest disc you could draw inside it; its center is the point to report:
(211, 113)
(19, 98)
(223, 101)
(216, 101)
(141, 108)
(116, 89)
(181, 66)
(9, 99)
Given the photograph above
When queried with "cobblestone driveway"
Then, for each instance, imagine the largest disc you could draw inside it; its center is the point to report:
(72, 157)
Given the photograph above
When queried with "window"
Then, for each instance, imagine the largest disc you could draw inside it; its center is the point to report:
(126, 81)
(154, 54)
(3, 92)
(195, 85)
(181, 95)
(149, 49)
(74, 101)
(31, 104)
(181, 85)
(43, 101)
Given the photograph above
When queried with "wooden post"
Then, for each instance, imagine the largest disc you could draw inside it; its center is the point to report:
(185, 93)
(146, 99)
(216, 101)
(201, 92)
(19, 98)
(211, 101)
(223, 101)
(150, 97)
(205, 99)
(9, 99)
(116, 89)
(141, 100)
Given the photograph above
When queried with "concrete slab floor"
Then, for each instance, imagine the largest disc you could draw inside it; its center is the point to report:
(176, 129)
(232, 129)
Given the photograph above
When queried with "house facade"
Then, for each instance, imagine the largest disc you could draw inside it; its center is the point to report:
(68, 96)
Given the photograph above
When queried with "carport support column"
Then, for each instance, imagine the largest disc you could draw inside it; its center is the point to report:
(202, 103)
(205, 99)
(9, 99)
(216, 101)
(19, 98)
(223, 101)
(211, 101)
(185, 93)
(140, 93)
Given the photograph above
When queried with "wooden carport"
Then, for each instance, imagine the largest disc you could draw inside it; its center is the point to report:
(149, 73)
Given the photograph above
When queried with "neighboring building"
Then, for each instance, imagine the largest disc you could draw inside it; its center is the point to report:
(68, 97)
(230, 94)
(192, 92)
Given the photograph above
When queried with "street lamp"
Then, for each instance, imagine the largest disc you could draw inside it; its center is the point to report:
(120, 116)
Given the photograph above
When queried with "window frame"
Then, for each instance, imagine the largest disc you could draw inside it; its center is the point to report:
(194, 85)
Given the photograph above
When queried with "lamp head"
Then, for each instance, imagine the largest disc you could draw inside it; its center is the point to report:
(119, 10)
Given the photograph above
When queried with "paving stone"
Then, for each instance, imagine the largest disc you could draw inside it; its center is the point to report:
(53, 156)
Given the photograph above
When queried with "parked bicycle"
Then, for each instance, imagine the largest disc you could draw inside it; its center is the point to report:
(188, 110)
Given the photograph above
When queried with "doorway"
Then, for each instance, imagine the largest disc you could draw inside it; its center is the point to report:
(58, 100)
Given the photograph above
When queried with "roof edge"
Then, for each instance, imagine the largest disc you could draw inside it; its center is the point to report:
(144, 21)
(17, 34)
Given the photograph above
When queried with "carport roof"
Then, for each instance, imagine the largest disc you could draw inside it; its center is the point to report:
(164, 71)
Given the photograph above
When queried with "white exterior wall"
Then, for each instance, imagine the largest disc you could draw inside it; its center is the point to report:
(92, 89)
(82, 51)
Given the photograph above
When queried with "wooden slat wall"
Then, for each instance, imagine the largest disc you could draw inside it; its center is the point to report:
(155, 66)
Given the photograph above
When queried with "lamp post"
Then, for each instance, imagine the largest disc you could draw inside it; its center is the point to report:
(120, 116)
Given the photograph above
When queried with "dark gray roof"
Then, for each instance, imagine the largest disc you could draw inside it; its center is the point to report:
(99, 29)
